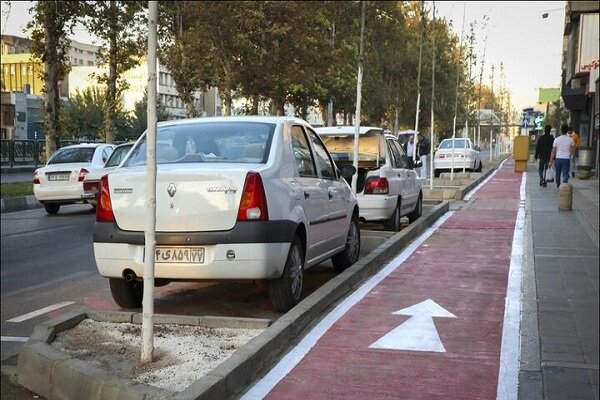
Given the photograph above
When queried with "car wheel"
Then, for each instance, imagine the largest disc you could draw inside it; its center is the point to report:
(394, 223)
(52, 209)
(418, 211)
(436, 174)
(286, 291)
(480, 167)
(351, 252)
(126, 294)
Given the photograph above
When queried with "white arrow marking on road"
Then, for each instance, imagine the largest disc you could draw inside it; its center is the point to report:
(418, 333)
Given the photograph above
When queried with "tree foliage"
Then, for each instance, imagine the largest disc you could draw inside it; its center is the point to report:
(139, 120)
(118, 24)
(52, 22)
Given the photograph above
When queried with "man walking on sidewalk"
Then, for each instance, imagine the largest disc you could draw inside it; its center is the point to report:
(543, 150)
(562, 148)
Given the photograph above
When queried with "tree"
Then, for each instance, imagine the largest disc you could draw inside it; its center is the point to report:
(139, 121)
(119, 25)
(51, 22)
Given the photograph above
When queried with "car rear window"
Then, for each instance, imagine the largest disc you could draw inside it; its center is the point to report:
(72, 155)
(220, 142)
(458, 143)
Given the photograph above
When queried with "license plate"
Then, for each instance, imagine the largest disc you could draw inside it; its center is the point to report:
(179, 255)
(59, 177)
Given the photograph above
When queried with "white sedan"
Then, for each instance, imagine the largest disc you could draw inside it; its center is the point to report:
(458, 155)
(60, 181)
(92, 179)
(236, 198)
(388, 187)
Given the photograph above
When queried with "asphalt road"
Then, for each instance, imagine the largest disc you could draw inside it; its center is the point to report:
(48, 269)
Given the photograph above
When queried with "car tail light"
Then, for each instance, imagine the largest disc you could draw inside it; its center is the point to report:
(441, 156)
(104, 211)
(253, 206)
(89, 186)
(36, 178)
(82, 173)
(377, 186)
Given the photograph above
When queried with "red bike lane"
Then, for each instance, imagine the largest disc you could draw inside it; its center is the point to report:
(432, 328)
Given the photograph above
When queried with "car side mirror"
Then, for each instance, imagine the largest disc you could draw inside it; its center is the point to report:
(347, 171)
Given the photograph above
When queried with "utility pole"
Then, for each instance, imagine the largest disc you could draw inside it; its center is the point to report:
(432, 98)
(150, 236)
(458, 65)
(423, 173)
(479, 97)
(358, 97)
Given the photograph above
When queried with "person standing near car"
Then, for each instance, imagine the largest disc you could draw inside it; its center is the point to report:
(422, 153)
(543, 150)
(562, 148)
(409, 146)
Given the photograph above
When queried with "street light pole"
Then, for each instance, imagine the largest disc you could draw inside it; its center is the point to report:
(432, 99)
(414, 155)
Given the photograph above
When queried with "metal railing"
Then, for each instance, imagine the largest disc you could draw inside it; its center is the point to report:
(26, 152)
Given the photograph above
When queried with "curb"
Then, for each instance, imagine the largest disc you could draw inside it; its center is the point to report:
(56, 375)
(19, 204)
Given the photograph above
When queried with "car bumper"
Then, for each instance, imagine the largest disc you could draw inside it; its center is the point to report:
(58, 194)
(376, 207)
(252, 261)
(459, 163)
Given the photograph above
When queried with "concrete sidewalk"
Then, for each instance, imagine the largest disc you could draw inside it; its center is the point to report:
(560, 332)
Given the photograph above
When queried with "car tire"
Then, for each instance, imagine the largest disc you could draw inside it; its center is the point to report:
(394, 224)
(480, 167)
(351, 251)
(436, 174)
(52, 209)
(286, 291)
(418, 211)
(126, 294)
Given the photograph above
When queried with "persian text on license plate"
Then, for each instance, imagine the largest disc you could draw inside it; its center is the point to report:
(183, 255)
(59, 177)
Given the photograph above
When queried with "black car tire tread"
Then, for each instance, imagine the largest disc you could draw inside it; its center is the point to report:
(51, 208)
(126, 294)
(394, 224)
(346, 258)
(418, 211)
(281, 293)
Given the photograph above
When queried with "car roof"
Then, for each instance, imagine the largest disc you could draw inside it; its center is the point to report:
(346, 130)
(253, 118)
(81, 145)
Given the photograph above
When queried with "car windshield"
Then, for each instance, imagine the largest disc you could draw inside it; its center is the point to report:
(117, 156)
(222, 142)
(458, 143)
(72, 155)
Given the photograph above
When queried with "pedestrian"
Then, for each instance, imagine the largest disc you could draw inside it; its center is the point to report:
(422, 152)
(543, 150)
(575, 155)
(562, 148)
(409, 146)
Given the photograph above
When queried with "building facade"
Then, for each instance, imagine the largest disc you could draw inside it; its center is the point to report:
(580, 68)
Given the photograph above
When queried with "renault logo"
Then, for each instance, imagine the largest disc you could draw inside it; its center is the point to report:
(171, 189)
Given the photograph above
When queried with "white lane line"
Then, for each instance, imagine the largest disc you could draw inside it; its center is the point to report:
(262, 387)
(510, 350)
(13, 339)
(41, 311)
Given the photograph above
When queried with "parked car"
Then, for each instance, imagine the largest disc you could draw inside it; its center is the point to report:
(92, 179)
(388, 188)
(236, 198)
(465, 156)
(60, 181)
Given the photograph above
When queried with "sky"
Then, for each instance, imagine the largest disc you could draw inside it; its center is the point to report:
(529, 46)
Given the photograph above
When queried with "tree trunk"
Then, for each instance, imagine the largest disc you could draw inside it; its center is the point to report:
(255, 100)
(51, 97)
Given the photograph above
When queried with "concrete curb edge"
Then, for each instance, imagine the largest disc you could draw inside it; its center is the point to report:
(22, 203)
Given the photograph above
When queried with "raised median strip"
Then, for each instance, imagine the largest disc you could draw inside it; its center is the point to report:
(56, 375)
(19, 204)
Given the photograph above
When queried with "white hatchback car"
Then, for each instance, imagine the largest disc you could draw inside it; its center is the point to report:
(236, 198)
(60, 181)
(461, 154)
(388, 188)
